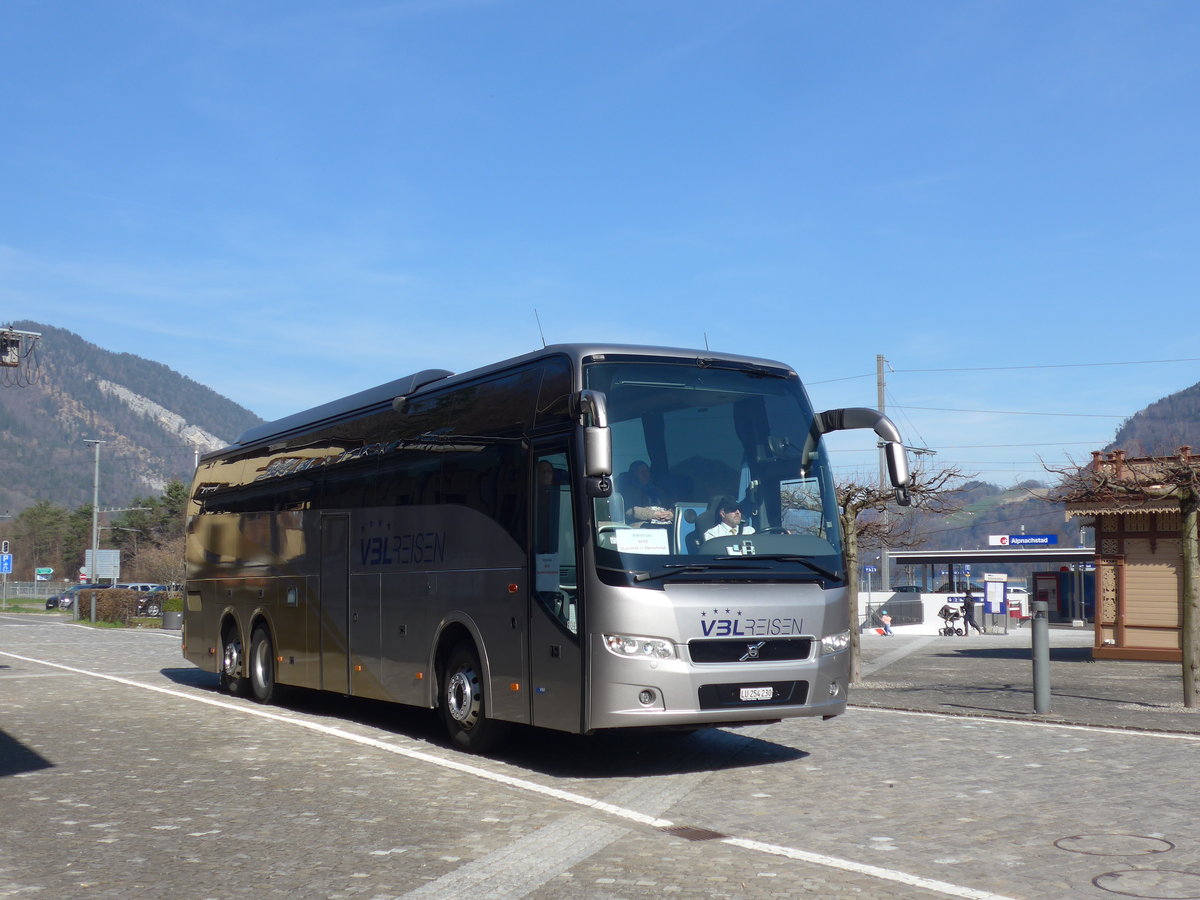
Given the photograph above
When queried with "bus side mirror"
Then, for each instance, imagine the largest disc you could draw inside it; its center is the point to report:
(860, 417)
(592, 410)
(597, 444)
(897, 466)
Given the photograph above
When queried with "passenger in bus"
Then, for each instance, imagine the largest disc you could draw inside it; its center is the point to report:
(644, 500)
(730, 524)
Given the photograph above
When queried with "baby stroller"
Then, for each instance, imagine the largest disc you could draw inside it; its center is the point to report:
(950, 615)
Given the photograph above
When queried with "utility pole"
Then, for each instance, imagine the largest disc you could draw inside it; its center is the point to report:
(94, 574)
(885, 575)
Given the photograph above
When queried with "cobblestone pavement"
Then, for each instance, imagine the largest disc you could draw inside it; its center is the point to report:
(124, 774)
(992, 675)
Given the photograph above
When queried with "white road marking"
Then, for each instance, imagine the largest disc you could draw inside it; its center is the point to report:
(599, 806)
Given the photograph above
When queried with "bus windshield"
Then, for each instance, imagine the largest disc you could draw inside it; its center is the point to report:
(715, 465)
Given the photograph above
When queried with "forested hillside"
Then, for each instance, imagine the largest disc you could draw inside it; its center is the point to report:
(153, 421)
(1162, 427)
(986, 509)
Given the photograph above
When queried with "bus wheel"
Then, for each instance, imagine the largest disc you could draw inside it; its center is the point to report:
(231, 662)
(262, 666)
(464, 703)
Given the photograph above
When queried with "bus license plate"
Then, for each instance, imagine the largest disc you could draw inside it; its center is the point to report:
(757, 693)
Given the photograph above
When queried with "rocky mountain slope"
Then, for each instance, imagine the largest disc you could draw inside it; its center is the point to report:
(153, 420)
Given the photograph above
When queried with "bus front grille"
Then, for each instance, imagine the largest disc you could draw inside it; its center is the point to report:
(750, 650)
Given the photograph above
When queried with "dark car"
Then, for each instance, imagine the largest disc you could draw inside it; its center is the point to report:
(907, 588)
(151, 604)
(66, 599)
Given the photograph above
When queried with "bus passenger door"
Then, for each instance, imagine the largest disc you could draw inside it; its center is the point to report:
(334, 615)
(556, 611)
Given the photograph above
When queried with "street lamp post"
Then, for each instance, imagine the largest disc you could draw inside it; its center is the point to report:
(94, 574)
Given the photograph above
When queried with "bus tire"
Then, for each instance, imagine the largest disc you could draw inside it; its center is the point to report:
(464, 702)
(262, 666)
(231, 682)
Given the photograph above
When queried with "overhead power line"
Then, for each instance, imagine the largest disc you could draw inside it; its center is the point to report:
(1013, 412)
(844, 450)
(1136, 362)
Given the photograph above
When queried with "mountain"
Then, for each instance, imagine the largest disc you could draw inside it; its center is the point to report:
(152, 419)
(986, 509)
(1157, 430)
(1162, 427)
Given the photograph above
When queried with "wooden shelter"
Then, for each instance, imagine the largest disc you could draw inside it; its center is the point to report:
(1139, 555)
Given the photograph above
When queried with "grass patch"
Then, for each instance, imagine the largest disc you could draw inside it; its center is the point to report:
(27, 605)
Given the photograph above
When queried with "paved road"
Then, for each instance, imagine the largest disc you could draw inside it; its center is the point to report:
(992, 675)
(124, 774)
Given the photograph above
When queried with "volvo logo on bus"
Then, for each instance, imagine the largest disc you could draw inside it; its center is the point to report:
(752, 651)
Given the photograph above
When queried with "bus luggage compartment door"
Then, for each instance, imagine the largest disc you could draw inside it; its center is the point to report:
(335, 606)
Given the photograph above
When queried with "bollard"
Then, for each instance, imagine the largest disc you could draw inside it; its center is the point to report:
(1041, 656)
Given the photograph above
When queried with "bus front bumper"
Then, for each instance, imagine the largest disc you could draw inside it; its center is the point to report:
(638, 693)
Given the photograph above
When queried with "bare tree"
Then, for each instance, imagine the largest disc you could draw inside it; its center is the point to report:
(162, 564)
(1141, 481)
(861, 506)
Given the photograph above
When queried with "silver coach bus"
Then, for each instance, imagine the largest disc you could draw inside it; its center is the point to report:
(581, 538)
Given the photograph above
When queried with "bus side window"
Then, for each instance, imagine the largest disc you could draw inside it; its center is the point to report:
(555, 580)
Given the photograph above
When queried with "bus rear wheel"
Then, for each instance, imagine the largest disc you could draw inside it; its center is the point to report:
(262, 665)
(464, 704)
(231, 680)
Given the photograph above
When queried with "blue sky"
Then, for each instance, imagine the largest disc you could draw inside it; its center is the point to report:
(291, 201)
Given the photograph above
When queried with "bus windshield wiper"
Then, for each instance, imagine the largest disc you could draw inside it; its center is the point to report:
(804, 561)
(684, 568)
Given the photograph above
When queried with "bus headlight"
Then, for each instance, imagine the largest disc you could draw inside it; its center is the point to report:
(832, 643)
(639, 647)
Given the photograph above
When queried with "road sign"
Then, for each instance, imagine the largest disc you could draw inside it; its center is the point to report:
(5, 563)
(43, 570)
(1022, 540)
(109, 563)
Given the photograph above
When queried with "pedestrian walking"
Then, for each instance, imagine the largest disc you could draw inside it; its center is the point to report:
(969, 614)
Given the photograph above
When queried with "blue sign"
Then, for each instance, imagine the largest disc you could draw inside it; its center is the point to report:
(1022, 540)
(870, 570)
(5, 563)
(1032, 540)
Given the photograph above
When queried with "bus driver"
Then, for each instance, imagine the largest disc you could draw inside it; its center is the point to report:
(730, 515)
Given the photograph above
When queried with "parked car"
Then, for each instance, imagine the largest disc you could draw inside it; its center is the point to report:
(151, 597)
(961, 587)
(66, 599)
(151, 604)
(906, 588)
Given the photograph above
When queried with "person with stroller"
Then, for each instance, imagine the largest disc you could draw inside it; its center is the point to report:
(969, 614)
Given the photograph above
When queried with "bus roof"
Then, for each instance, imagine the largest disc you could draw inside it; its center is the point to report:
(382, 395)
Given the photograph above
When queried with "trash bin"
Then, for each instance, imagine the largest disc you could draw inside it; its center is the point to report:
(173, 620)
